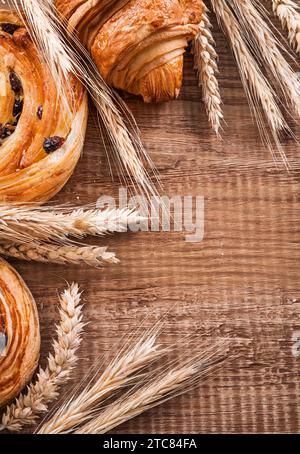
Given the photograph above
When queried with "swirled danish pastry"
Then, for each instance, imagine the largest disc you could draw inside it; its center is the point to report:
(19, 334)
(41, 139)
(138, 45)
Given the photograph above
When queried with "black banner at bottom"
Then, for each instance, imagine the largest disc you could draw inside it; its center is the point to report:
(138, 443)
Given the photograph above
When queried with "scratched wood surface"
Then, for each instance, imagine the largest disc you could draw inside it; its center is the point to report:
(242, 280)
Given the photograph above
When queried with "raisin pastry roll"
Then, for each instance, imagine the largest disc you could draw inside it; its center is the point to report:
(19, 334)
(138, 45)
(41, 139)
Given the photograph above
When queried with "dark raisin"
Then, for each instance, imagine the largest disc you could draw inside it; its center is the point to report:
(18, 107)
(15, 83)
(53, 143)
(5, 131)
(9, 28)
(40, 112)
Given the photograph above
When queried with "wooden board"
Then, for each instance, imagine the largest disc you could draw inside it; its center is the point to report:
(243, 280)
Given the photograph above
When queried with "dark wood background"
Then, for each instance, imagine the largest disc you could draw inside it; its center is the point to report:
(243, 280)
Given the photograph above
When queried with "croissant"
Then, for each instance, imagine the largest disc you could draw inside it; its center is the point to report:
(19, 334)
(138, 45)
(40, 139)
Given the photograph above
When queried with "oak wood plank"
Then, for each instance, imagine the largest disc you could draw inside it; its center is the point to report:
(242, 280)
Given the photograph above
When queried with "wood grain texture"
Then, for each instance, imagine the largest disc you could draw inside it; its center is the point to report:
(243, 280)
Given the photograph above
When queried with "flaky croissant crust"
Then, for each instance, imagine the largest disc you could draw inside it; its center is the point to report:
(19, 326)
(138, 45)
(40, 140)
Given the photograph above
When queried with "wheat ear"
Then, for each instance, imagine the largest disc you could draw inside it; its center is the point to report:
(32, 403)
(121, 371)
(27, 223)
(169, 383)
(60, 254)
(289, 14)
(64, 55)
(206, 64)
(257, 88)
(250, 15)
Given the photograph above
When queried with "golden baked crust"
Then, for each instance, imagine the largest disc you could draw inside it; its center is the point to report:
(19, 326)
(40, 141)
(138, 45)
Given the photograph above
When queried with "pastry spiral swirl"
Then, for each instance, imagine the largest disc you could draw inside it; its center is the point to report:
(138, 45)
(40, 139)
(19, 334)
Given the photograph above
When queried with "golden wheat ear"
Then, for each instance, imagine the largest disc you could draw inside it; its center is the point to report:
(56, 223)
(205, 62)
(288, 13)
(64, 55)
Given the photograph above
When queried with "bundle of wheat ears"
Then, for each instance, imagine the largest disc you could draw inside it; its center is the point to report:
(143, 371)
(52, 234)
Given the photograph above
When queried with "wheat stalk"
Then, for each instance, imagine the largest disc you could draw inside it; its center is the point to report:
(257, 88)
(27, 223)
(206, 64)
(289, 14)
(60, 254)
(169, 383)
(120, 372)
(29, 405)
(268, 48)
(64, 55)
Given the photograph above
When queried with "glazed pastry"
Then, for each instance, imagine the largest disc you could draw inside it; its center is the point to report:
(40, 139)
(138, 45)
(19, 334)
